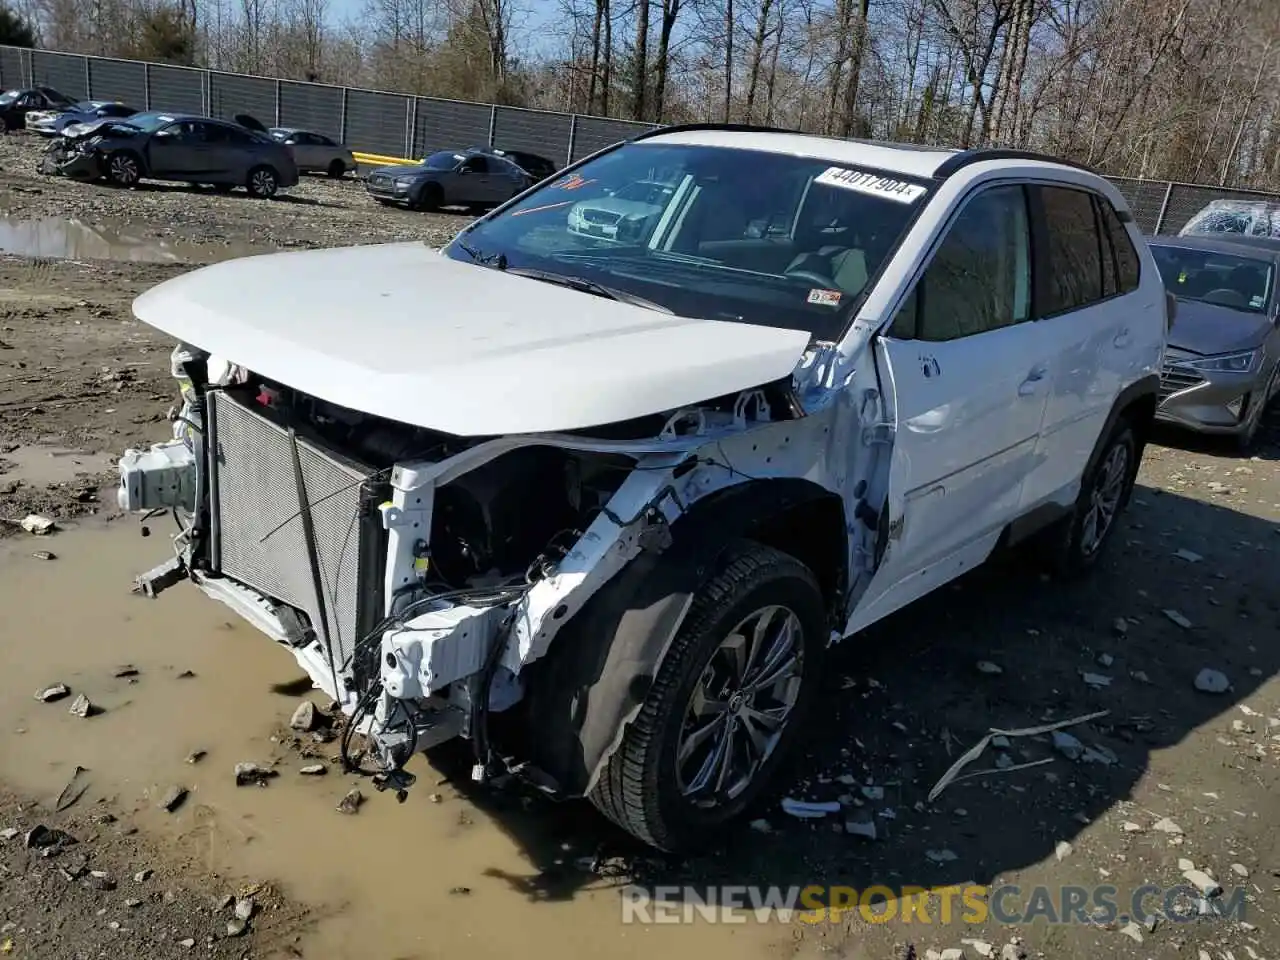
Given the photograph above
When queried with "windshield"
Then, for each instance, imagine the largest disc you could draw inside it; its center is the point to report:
(444, 160)
(148, 122)
(1241, 283)
(9, 96)
(85, 106)
(710, 232)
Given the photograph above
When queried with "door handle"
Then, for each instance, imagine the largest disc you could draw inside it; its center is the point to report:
(1122, 338)
(1028, 386)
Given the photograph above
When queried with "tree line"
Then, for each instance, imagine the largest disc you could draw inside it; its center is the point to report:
(1164, 89)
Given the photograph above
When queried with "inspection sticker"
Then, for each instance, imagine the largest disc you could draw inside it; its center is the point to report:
(870, 184)
(828, 298)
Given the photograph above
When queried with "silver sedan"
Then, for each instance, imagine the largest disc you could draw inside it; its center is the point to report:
(315, 152)
(1222, 364)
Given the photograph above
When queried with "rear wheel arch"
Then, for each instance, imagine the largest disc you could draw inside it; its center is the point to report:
(601, 665)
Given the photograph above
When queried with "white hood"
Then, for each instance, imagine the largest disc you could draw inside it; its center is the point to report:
(400, 331)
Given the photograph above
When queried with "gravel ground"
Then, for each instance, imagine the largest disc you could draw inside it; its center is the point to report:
(85, 882)
(1171, 773)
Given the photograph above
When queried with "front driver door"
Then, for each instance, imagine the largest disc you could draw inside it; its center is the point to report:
(969, 378)
(475, 181)
(172, 150)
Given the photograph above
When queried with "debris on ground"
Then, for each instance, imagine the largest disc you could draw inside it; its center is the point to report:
(1175, 617)
(53, 692)
(351, 802)
(989, 668)
(1165, 825)
(173, 798)
(809, 810)
(314, 770)
(1212, 681)
(36, 525)
(73, 791)
(253, 774)
(304, 718)
(44, 555)
(83, 707)
(1062, 850)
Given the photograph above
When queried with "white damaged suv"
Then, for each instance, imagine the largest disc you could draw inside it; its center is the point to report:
(600, 504)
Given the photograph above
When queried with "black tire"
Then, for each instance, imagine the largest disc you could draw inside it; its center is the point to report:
(263, 182)
(124, 168)
(430, 198)
(638, 789)
(1077, 549)
(337, 169)
(223, 188)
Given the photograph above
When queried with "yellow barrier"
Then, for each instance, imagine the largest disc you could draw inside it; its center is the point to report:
(375, 159)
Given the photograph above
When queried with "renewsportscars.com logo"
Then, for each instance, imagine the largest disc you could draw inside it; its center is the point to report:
(1007, 904)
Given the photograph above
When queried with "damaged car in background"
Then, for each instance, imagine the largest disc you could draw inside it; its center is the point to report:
(600, 505)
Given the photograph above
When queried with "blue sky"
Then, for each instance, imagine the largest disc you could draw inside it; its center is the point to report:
(534, 23)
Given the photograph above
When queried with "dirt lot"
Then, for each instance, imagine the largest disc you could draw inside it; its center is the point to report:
(1168, 774)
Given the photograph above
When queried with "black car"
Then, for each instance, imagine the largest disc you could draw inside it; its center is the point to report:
(16, 104)
(190, 149)
(449, 179)
(538, 167)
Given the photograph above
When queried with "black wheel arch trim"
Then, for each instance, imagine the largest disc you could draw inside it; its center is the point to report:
(1137, 395)
(602, 663)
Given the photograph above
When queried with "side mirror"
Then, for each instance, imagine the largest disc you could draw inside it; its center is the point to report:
(163, 134)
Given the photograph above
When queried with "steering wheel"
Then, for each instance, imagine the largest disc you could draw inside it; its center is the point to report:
(1226, 297)
(813, 276)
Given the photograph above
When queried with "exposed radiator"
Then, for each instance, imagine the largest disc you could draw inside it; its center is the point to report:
(258, 531)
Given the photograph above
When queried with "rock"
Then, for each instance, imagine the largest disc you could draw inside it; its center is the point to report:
(1188, 555)
(188, 943)
(460, 891)
(1165, 825)
(173, 798)
(941, 856)
(124, 671)
(304, 718)
(1000, 742)
(351, 802)
(81, 707)
(759, 826)
(861, 828)
(1105, 659)
(44, 555)
(35, 524)
(1067, 745)
(989, 668)
(1132, 931)
(133, 903)
(1003, 761)
(253, 773)
(142, 876)
(1062, 850)
(237, 927)
(1012, 951)
(1212, 681)
(41, 837)
(1207, 886)
(1096, 680)
(1240, 870)
(245, 907)
(99, 880)
(1179, 619)
(1184, 864)
(9, 833)
(1120, 626)
(314, 770)
(952, 953)
(54, 692)
(980, 947)
(195, 756)
(1139, 676)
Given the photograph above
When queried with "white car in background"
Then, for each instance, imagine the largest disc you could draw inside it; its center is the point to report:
(601, 507)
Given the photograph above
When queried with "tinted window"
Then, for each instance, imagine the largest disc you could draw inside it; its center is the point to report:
(442, 161)
(1127, 271)
(476, 165)
(1074, 257)
(980, 277)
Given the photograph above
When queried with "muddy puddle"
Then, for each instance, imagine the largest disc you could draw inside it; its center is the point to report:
(435, 876)
(38, 465)
(63, 238)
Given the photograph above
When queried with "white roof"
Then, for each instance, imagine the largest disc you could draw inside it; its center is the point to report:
(899, 158)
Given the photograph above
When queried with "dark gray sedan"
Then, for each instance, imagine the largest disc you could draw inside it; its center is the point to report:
(162, 146)
(1222, 363)
(449, 179)
(315, 152)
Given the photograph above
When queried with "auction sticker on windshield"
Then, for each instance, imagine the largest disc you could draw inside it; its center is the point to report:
(870, 184)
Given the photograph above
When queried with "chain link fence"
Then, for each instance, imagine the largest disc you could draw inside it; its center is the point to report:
(401, 125)
(369, 121)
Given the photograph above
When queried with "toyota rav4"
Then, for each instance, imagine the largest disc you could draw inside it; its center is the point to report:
(601, 504)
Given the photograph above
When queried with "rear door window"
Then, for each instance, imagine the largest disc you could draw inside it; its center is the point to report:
(1126, 257)
(1073, 275)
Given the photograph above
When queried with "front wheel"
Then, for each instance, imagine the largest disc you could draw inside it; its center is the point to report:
(725, 706)
(123, 169)
(263, 182)
(337, 169)
(430, 198)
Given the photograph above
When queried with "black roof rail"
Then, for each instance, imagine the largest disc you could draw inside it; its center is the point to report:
(730, 127)
(965, 158)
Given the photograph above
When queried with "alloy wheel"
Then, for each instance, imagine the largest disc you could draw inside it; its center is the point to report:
(124, 170)
(740, 706)
(263, 183)
(1104, 499)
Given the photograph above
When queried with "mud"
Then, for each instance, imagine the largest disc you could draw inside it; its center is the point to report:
(495, 873)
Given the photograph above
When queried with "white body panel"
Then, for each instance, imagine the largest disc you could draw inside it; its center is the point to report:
(399, 331)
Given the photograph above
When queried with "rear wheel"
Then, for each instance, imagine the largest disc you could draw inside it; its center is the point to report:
(337, 169)
(124, 169)
(263, 182)
(725, 706)
(1104, 493)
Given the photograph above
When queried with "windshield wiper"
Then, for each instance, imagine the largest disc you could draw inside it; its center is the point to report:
(496, 260)
(590, 286)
